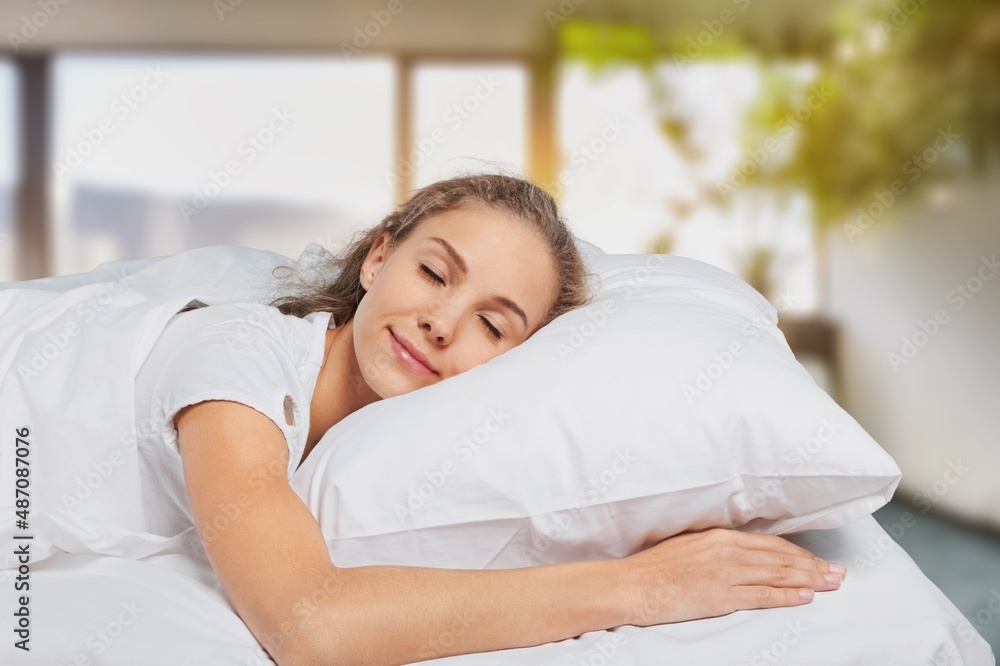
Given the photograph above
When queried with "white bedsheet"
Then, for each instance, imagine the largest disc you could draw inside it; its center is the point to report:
(169, 609)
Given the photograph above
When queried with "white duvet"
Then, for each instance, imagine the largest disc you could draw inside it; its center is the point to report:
(99, 589)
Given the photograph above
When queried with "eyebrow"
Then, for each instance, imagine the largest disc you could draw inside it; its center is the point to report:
(462, 266)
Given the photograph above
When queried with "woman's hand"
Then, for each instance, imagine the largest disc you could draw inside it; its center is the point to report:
(715, 572)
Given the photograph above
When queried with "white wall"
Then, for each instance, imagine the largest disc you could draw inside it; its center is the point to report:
(938, 413)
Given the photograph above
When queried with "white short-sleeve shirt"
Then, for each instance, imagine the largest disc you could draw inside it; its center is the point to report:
(244, 352)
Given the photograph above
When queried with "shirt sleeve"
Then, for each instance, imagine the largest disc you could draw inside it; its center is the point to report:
(234, 351)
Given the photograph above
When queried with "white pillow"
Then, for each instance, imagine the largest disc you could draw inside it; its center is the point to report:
(671, 402)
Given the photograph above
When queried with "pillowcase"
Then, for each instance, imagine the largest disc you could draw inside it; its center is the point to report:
(670, 403)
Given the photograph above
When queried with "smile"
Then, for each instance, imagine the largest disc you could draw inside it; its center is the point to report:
(406, 358)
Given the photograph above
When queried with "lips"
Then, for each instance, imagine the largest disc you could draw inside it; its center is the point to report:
(409, 356)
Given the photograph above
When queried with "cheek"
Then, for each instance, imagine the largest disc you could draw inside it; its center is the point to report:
(476, 353)
(394, 292)
(371, 307)
(366, 348)
(375, 363)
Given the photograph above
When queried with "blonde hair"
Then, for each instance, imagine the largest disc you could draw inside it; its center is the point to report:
(514, 196)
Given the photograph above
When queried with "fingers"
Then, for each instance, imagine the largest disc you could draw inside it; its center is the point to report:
(717, 571)
(765, 558)
(770, 542)
(750, 596)
(786, 577)
(777, 549)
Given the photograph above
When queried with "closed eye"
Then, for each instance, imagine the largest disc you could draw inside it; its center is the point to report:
(493, 331)
(434, 277)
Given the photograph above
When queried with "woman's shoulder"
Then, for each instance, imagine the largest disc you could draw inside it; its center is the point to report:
(242, 314)
(248, 327)
(243, 352)
(232, 310)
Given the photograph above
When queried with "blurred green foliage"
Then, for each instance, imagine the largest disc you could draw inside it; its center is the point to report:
(895, 79)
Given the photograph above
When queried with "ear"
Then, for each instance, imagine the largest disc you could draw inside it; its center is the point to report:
(373, 263)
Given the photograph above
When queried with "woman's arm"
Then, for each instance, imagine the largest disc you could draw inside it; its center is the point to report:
(271, 558)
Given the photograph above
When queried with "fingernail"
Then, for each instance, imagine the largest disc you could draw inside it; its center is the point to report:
(833, 579)
(806, 594)
(839, 569)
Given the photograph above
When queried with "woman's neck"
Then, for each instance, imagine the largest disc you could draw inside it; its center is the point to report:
(340, 387)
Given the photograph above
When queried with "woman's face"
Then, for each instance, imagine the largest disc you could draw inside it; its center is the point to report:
(500, 281)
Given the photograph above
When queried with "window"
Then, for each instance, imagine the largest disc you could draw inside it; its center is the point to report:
(466, 115)
(8, 170)
(156, 154)
(628, 189)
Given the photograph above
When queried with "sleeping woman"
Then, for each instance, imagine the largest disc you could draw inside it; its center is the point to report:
(465, 270)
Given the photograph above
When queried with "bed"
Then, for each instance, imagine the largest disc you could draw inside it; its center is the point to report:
(104, 591)
(169, 609)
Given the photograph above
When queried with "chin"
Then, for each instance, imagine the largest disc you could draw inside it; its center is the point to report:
(387, 384)
(393, 391)
(384, 374)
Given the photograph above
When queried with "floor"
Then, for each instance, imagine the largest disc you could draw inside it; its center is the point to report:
(964, 562)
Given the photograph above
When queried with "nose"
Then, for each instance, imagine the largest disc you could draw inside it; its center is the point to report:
(440, 321)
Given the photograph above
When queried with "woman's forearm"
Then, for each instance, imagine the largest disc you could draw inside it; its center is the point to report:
(400, 615)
